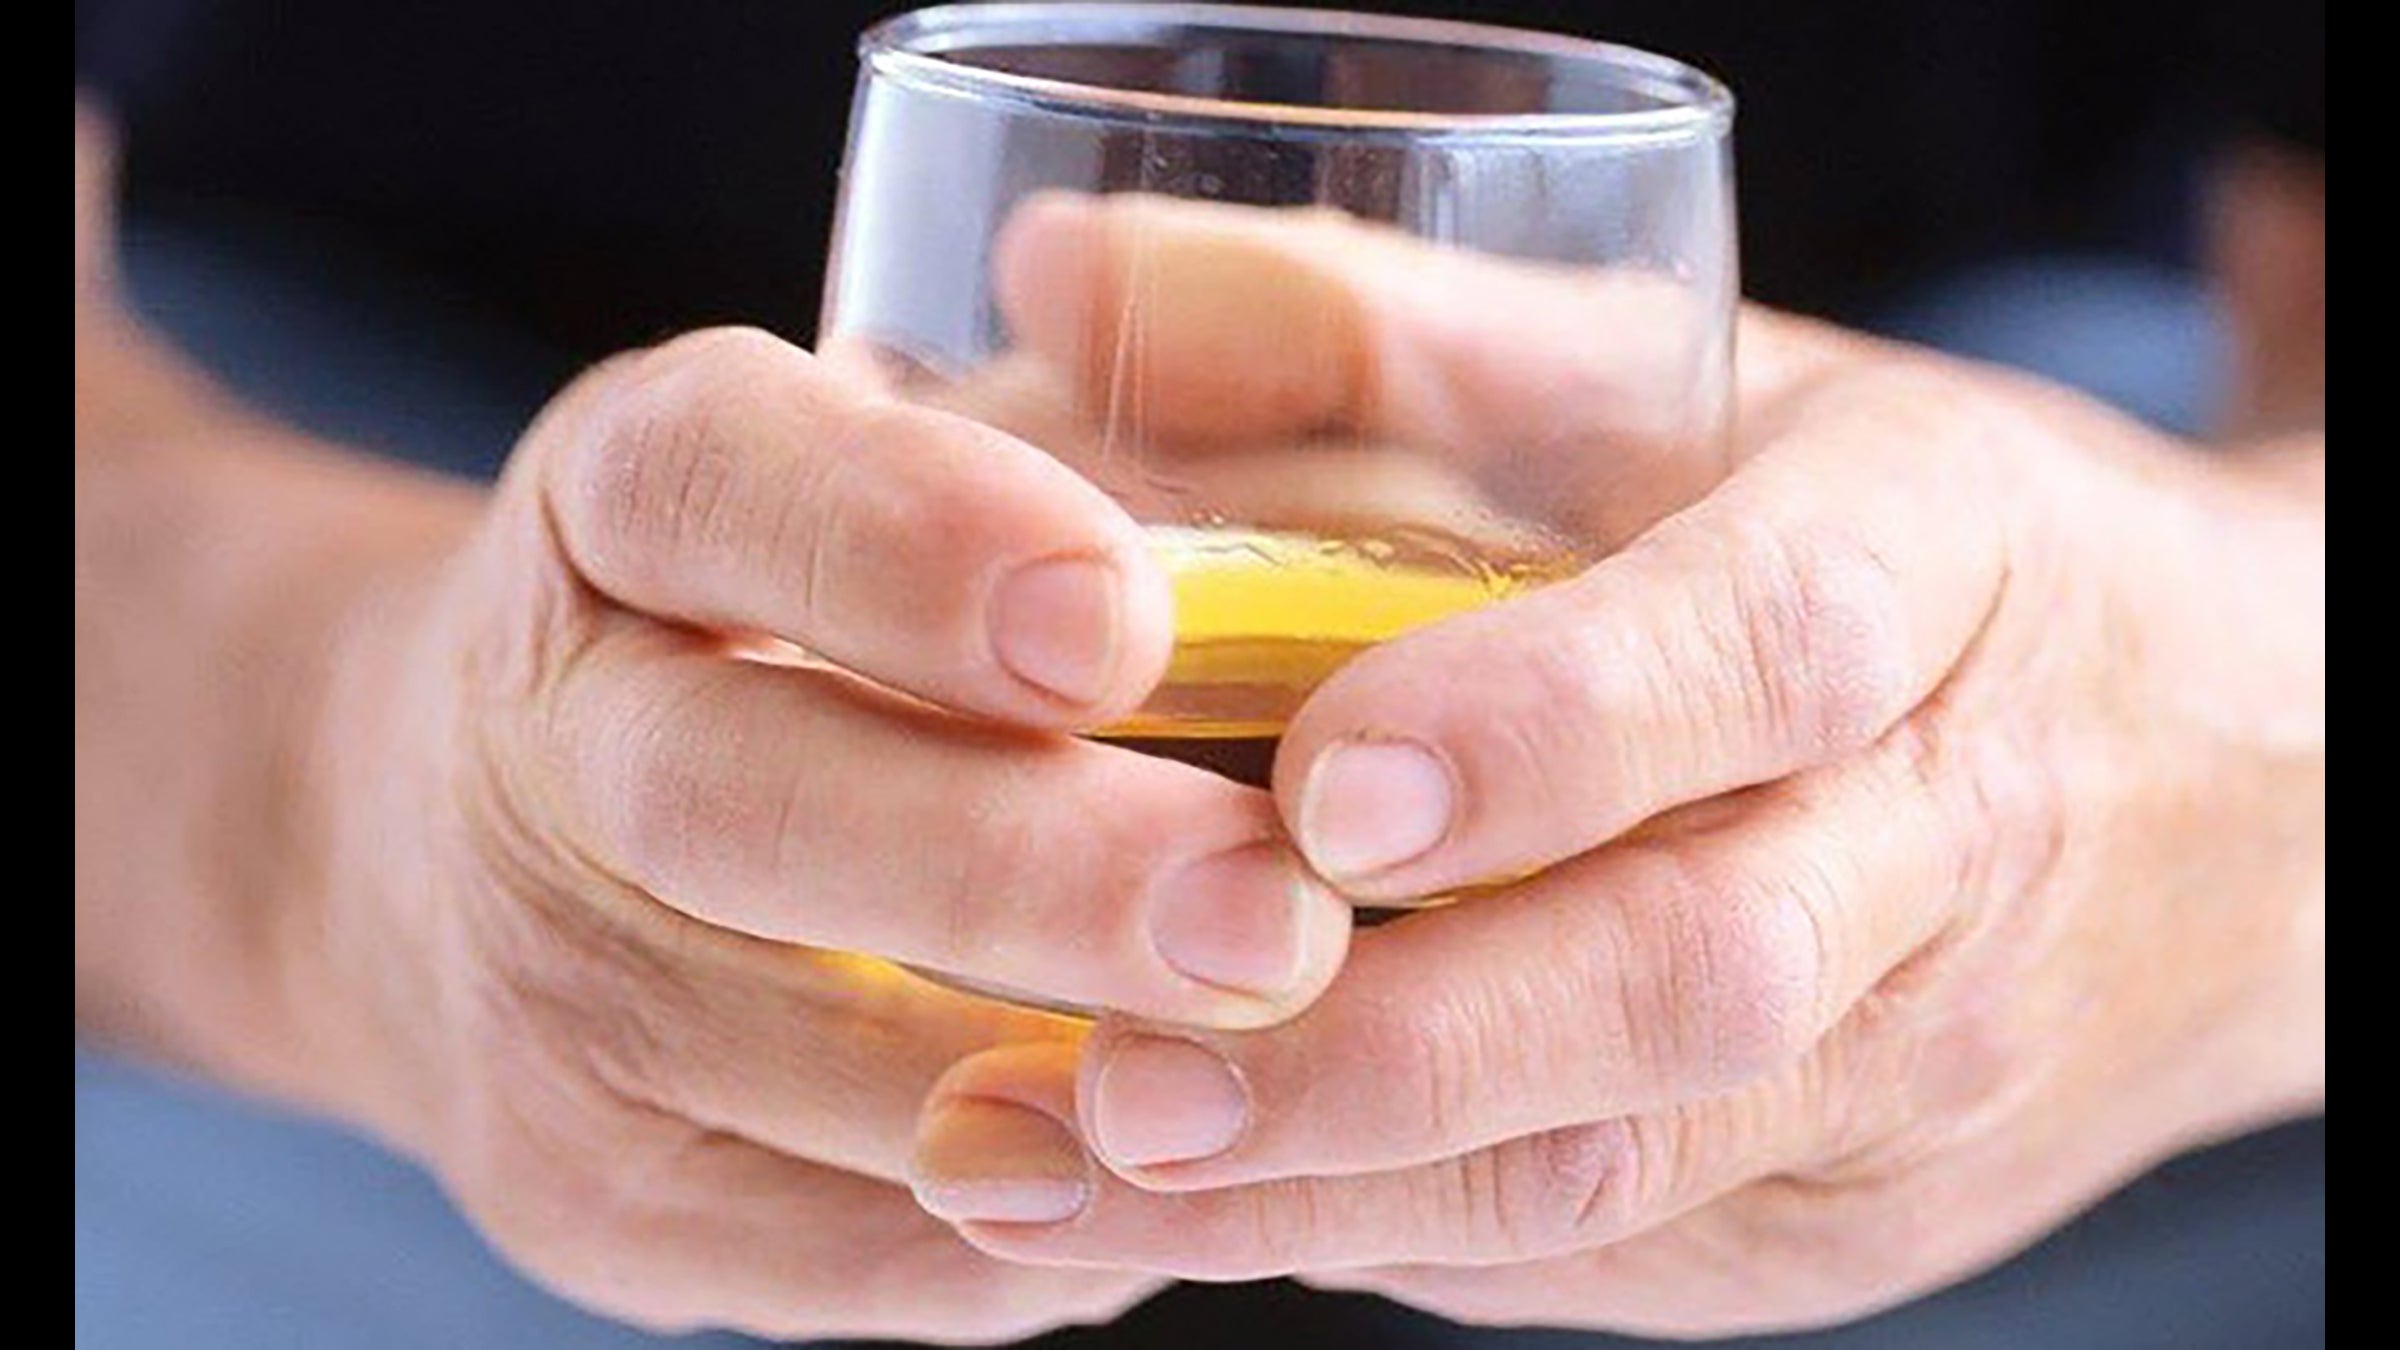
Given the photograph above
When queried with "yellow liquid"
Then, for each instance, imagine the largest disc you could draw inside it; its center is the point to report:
(1262, 618)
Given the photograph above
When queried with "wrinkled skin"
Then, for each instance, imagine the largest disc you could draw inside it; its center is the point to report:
(1932, 825)
(1927, 821)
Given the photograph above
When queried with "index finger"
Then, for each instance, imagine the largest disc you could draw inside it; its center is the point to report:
(1257, 320)
(1198, 325)
(730, 481)
(1791, 618)
(1657, 972)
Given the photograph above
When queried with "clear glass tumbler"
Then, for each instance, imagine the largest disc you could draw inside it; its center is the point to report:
(1369, 320)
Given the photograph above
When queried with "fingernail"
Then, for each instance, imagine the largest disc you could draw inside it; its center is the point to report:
(985, 1161)
(1235, 919)
(1160, 1101)
(1370, 805)
(1054, 625)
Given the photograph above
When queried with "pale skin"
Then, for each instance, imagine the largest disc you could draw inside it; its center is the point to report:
(1930, 816)
(1901, 891)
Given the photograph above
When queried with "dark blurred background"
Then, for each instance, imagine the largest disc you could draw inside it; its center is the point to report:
(406, 224)
(592, 176)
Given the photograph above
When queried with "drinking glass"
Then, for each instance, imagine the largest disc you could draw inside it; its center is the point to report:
(1368, 320)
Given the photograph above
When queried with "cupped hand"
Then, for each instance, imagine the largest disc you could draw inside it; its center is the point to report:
(1924, 829)
(591, 874)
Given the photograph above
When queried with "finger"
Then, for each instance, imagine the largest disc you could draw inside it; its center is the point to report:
(800, 806)
(696, 1230)
(1671, 967)
(1781, 1255)
(1321, 480)
(1792, 617)
(819, 1055)
(1252, 321)
(730, 481)
(1523, 1200)
(1185, 324)
(1885, 1212)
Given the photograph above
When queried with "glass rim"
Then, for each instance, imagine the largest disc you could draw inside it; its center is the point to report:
(914, 47)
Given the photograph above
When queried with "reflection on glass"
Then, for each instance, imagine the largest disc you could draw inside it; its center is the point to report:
(1372, 321)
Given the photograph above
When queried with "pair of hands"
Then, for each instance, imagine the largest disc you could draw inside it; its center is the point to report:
(1925, 830)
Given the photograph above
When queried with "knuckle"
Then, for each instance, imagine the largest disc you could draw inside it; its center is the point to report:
(1767, 959)
(1542, 742)
(1422, 1053)
(1744, 962)
(1557, 734)
(657, 471)
(1015, 890)
(837, 518)
(815, 529)
(1444, 1049)
(1025, 893)
(658, 803)
(666, 803)
(2002, 809)
(636, 479)
(1821, 638)
(1560, 1190)
(983, 928)
(1284, 1223)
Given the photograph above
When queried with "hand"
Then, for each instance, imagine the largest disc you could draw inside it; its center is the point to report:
(1930, 825)
(590, 875)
